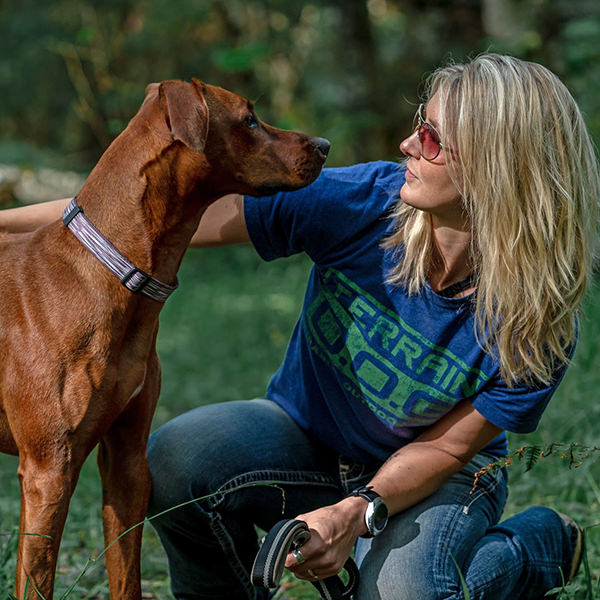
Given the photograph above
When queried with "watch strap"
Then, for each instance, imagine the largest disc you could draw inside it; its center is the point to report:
(366, 491)
(371, 496)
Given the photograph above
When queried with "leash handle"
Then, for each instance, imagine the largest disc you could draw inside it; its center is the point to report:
(270, 561)
(333, 588)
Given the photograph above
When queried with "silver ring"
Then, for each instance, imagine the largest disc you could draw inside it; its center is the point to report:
(312, 574)
(298, 556)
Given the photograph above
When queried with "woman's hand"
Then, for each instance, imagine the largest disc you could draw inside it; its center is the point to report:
(333, 530)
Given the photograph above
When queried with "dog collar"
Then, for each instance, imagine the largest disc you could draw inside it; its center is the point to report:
(134, 279)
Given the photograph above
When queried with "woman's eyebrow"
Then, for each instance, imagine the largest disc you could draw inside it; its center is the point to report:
(434, 123)
(430, 120)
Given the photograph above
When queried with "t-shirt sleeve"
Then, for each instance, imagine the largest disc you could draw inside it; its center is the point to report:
(516, 409)
(323, 215)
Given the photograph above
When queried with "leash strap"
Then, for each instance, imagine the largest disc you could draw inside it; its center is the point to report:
(134, 279)
(270, 560)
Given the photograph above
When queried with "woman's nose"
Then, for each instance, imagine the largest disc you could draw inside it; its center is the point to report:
(410, 146)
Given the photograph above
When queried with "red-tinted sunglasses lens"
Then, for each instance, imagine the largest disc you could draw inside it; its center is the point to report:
(429, 141)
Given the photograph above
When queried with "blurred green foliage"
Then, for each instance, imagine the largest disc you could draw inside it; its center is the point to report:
(72, 72)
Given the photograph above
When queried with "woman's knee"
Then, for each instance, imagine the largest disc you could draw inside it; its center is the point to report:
(165, 460)
(179, 456)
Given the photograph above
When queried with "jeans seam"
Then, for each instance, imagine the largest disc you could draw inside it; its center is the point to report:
(485, 490)
(224, 539)
(450, 528)
(352, 473)
(218, 528)
(441, 557)
(265, 477)
(493, 480)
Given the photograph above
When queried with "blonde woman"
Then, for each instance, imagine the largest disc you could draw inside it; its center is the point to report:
(441, 312)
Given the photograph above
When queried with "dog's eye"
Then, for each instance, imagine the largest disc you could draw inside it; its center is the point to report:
(251, 122)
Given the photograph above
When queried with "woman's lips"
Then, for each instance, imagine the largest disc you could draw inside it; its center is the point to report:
(410, 174)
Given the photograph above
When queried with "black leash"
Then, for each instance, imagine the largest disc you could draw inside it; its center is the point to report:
(270, 560)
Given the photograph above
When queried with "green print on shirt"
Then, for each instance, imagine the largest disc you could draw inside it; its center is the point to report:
(404, 378)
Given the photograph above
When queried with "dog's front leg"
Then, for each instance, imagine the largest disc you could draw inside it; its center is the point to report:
(47, 483)
(123, 464)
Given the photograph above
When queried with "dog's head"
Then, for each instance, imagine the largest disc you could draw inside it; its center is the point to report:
(238, 152)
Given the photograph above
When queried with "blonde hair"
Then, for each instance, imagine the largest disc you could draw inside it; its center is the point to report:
(528, 176)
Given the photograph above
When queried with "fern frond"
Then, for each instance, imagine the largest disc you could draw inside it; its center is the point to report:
(532, 453)
(574, 452)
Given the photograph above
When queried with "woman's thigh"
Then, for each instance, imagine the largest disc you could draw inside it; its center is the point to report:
(420, 551)
(244, 446)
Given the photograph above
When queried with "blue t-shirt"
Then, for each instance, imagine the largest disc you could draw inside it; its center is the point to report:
(369, 367)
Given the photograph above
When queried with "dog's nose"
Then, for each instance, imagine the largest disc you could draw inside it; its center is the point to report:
(322, 146)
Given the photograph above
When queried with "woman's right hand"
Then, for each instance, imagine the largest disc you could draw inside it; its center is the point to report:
(334, 530)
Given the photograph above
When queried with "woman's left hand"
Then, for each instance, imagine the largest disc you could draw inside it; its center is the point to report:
(334, 530)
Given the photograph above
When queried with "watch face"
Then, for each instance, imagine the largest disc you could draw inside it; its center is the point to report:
(376, 516)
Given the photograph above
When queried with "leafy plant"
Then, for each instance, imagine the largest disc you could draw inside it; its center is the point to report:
(572, 453)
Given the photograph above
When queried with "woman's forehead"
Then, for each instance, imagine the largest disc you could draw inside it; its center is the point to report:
(432, 108)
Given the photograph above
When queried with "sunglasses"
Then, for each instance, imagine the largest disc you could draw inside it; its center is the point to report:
(430, 145)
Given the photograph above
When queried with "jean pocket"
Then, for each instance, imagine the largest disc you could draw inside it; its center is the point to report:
(353, 474)
(491, 484)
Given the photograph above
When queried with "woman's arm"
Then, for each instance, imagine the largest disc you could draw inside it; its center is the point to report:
(407, 477)
(441, 451)
(32, 216)
(222, 224)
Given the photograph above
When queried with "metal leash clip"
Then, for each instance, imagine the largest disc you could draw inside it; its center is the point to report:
(291, 534)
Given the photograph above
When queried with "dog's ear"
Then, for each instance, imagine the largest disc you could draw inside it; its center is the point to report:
(151, 93)
(151, 89)
(186, 112)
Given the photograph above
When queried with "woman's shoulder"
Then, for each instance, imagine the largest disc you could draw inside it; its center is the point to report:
(364, 187)
(344, 203)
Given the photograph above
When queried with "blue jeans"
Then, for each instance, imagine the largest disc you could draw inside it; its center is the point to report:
(252, 465)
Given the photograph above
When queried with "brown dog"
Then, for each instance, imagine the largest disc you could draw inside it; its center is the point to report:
(78, 364)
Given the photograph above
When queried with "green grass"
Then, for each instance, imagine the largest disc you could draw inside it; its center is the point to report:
(223, 333)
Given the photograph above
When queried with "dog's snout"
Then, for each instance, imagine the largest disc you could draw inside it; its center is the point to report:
(322, 146)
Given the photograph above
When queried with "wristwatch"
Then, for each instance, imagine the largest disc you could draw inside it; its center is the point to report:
(376, 515)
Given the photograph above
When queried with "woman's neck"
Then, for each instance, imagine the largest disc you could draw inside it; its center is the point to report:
(452, 257)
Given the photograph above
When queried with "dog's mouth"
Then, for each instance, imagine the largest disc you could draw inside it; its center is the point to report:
(300, 173)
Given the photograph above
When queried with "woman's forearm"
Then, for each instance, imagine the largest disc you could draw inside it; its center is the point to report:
(409, 476)
(413, 473)
(421, 467)
(222, 224)
(32, 216)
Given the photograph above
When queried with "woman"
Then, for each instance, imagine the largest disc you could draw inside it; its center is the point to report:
(432, 323)
(424, 335)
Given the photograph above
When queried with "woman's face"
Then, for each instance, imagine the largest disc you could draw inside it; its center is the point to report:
(428, 185)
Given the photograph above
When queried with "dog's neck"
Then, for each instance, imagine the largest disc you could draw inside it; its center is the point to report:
(142, 207)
